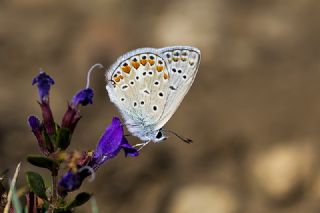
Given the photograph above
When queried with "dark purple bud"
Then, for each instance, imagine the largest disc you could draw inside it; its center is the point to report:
(48, 120)
(83, 97)
(70, 118)
(70, 181)
(73, 180)
(44, 83)
(35, 125)
(36, 128)
(110, 144)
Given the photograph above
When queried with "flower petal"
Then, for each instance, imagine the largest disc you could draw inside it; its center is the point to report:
(71, 181)
(37, 128)
(44, 83)
(110, 143)
(34, 123)
(83, 97)
(128, 149)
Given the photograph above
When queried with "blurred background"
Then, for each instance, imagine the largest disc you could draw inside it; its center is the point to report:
(253, 111)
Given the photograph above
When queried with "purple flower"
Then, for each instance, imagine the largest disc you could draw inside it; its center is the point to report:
(71, 181)
(44, 83)
(35, 125)
(110, 144)
(72, 115)
(37, 128)
(83, 97)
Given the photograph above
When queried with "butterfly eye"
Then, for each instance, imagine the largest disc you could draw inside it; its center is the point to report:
(159, 135)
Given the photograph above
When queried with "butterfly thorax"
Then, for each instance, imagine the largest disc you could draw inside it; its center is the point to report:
(147, 133)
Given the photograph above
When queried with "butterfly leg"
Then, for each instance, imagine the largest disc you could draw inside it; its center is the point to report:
(141, 145)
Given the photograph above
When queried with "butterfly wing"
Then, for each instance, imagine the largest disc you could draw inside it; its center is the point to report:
(182, 63)
(137, 85)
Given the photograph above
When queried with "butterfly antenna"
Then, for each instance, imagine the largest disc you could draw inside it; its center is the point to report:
(100, 66)
(186, 140)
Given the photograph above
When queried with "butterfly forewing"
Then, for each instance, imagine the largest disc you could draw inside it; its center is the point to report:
(137, 85)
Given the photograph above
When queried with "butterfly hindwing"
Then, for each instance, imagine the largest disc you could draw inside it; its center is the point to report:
(183, 63)
(137, 86)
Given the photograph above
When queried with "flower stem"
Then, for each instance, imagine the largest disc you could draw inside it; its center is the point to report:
(54, 195)
(54, 188)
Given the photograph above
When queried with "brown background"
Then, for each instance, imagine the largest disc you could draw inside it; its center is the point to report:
(254, 109)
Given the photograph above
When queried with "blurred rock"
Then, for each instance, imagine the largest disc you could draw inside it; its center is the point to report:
(204, 198)
(282, 171)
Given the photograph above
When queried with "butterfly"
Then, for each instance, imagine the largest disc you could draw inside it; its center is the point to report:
(147, 85)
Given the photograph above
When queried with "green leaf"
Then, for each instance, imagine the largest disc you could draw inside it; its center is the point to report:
(36, 184)
(63, 138)
(43, 162)
(80, 199)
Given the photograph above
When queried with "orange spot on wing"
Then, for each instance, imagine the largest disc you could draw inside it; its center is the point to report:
(151, 62)
(117, 79)
(126, 69)
(165, 76)
(121, 77)
(135, 64)
(159, 68)
(143, 62)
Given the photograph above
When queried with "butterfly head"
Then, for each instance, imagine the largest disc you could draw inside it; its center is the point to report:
(159, 136)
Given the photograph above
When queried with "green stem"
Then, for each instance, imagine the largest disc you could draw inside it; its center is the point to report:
(54, 197)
